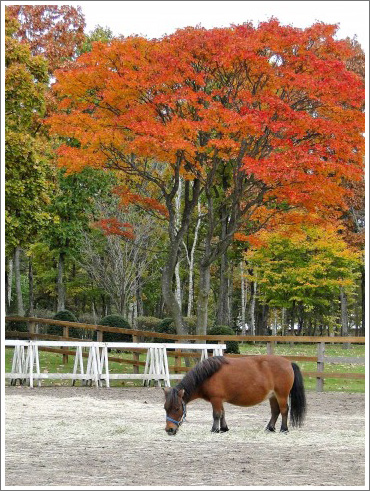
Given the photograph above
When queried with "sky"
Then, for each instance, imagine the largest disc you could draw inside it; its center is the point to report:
(156, 18)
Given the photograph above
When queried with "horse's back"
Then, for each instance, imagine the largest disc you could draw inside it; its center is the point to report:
(249, 380)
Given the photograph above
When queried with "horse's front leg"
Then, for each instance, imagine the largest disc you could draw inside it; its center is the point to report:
(223, 425)
(219, 422)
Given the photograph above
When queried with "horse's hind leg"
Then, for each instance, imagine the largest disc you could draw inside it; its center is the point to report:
(275, 411)
(284, 409)
(223, 425)
(219, 422)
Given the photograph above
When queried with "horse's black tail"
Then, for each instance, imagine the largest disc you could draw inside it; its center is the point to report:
(297, 398)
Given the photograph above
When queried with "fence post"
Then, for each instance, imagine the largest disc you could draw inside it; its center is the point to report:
(66, 335)
(177, 358)
(135, 354)
(320, 366)
(31, 327)
(270, 348)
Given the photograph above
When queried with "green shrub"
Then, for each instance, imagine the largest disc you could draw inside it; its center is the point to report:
(16, 326)
(167, 325)
(231, 346)
(115, 320)
(68, 316)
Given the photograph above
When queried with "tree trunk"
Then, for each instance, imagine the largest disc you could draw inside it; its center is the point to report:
(344, 315)
(9, 283)
(170, 298)
(139, 296)
(243, 297)
(6, 292)
(252, 308)
(191, 265)
(223, 310)
(274, 324)
(60, 283)
(292, 320)
(178, 292)
(231, 293)
(176, 239)
(363, 309)
(17, 275)
(31, 291)
(93, 311)
(283, 316)
(203, 294)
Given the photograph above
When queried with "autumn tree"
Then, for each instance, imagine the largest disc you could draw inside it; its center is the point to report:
(55, 32)
(271, 110)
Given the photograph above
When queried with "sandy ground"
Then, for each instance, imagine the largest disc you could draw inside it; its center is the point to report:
(83, 436)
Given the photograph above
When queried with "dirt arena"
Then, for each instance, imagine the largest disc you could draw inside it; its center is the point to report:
(83, 436)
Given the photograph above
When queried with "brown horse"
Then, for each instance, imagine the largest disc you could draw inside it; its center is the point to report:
(243, 381)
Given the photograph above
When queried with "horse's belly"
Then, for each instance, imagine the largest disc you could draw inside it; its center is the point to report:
(241, 392)
(250, 398)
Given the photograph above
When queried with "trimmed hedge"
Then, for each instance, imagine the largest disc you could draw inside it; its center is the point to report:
(21, 326)
(167, 326)
(115, 320)
(65, 315)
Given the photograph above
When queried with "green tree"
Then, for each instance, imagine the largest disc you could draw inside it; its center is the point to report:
(102, 34)
(27, 172)
(304, 271)
(74, 207)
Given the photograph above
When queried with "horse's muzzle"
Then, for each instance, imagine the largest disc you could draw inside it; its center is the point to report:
(171, 431)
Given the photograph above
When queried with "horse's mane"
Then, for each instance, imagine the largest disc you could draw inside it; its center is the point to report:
(201, 372)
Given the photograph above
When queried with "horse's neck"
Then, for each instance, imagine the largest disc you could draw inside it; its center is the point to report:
(194, 395)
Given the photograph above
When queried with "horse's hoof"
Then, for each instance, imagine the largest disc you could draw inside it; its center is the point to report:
(223, 430)
(270, 428)
(215, 431)
(285, 432)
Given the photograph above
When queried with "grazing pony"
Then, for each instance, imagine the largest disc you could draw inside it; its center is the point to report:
(243, 381)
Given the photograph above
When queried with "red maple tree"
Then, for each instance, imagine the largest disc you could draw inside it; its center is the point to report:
(258, 118)
(53, 31)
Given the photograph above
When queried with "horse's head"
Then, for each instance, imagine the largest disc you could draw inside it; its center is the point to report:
(175, 408)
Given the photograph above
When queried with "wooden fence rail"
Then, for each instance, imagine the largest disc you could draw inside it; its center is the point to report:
(321, 360)
(26, 363)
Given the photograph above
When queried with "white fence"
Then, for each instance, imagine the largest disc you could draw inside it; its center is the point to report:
(26, 364)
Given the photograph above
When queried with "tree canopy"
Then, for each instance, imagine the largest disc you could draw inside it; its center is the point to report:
(27, 173)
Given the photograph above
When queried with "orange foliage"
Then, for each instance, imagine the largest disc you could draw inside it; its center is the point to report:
(112, 226)
(276, 101)
(127, 197)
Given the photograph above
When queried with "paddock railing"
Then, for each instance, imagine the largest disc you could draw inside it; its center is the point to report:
(321, 359)
(26, 363)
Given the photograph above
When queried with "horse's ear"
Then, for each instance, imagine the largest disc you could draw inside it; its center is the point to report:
(181, 393)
